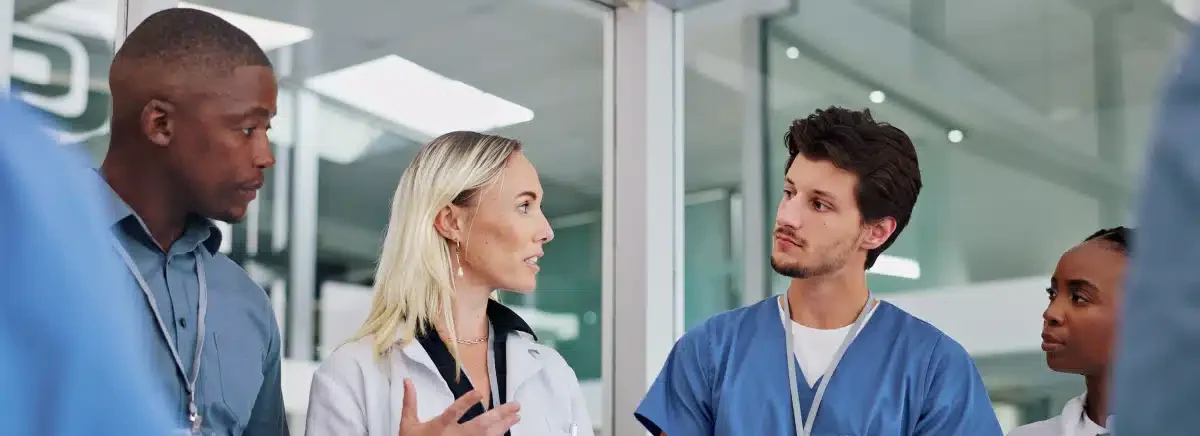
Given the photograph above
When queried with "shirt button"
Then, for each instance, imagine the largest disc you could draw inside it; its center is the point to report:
(183, 322)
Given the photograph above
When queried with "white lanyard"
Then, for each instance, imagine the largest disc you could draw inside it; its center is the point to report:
(804, 428)
(491, 355)
(189, 383)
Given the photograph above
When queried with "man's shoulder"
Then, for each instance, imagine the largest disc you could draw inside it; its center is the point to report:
(232, 280)
(233, 275)
(719, 328)
(917, 333)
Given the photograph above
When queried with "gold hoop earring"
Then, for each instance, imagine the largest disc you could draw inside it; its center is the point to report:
(458, 258)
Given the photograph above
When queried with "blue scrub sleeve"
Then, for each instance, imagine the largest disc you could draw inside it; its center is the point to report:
(956, 401)
(679, 401)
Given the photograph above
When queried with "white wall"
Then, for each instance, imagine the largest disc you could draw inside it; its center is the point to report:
(988, 319)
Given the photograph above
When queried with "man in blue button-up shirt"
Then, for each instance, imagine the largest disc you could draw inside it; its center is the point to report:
(192, 99)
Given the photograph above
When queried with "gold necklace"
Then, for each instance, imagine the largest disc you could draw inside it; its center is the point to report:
(472, 341)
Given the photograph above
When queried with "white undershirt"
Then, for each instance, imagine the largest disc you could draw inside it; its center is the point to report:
(818, 345)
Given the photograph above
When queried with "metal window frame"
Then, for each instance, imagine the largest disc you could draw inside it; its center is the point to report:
(643, 206)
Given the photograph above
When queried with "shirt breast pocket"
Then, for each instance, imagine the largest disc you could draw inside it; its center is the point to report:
(240, 360)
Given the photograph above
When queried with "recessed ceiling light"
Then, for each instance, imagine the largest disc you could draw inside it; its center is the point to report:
(422, 103)
(81, 17)
(269, 34)
(793, 53)
(97, 19)
(342, 137)
(1188, 9)
(896, 267)
(955, 136)
(877, 96)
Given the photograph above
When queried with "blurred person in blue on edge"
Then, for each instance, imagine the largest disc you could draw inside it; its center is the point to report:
(69, 345)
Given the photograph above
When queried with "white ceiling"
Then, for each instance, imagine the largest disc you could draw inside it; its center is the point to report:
(1018, 76)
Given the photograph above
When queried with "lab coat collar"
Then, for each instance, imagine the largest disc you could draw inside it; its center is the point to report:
(416, 353)
(524, 360)
(504, 320)
(1072, 413)
(523, 353)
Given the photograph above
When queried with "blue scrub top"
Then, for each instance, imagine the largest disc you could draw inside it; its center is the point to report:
(900, 376)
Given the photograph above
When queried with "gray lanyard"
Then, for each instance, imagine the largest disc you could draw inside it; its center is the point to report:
(189, 383)
(804, 428)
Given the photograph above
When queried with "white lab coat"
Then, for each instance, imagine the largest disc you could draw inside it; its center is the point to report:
(1070, 423)
(352, 394)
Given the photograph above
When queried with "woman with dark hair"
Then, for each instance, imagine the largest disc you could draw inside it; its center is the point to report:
(1078, 330)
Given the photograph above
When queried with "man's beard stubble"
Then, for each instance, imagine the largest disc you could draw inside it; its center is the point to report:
(827, 264)
(797, 271)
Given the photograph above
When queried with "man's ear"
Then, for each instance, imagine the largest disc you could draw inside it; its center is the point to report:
(158, 121)
(449, 223)
(878, 232)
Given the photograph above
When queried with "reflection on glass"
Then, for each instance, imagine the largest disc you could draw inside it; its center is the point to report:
(60, 66)
(714, 123)
(365, 84)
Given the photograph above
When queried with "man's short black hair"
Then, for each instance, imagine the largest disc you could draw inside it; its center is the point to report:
(172, 55)
(1119, 237)
(881, 155)
(192, 40)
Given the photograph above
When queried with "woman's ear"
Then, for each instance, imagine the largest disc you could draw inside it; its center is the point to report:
(449, 223)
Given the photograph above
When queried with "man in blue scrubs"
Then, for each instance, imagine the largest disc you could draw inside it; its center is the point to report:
(768, 369)
(192, 99)
(69, 364)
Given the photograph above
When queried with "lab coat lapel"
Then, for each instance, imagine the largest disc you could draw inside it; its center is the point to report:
(524, 362)
(414, 362)
(1071, 414)
(417, 354)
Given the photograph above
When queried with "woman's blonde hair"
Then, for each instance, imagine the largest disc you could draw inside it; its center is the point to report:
(414, 281)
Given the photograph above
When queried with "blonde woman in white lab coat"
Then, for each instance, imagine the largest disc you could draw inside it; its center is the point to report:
(437, 355)
(1078, 330)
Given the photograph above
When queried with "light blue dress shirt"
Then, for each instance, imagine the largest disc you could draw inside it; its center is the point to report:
(69, 346)
(1157, 373)
(238, 391)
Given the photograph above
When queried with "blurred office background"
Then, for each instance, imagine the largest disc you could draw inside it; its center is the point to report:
(1030, 118)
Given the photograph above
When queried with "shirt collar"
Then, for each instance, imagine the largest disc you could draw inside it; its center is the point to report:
(502, 319)
(198, 231)
(1073, 416)
(505, 320)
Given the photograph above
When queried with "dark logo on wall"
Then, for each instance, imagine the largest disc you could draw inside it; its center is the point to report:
(64, 75)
